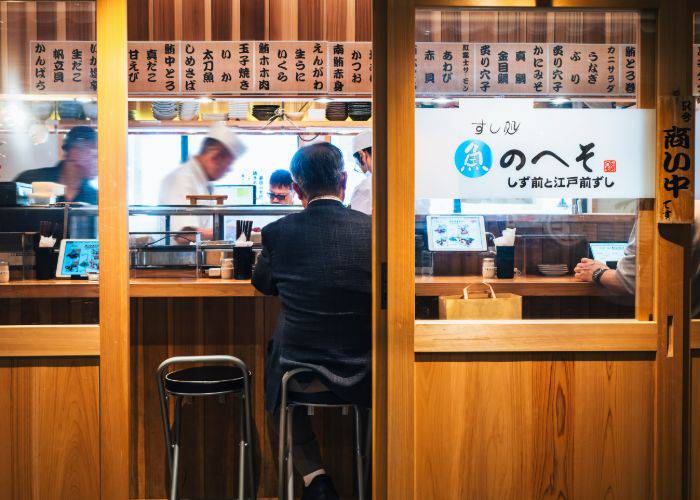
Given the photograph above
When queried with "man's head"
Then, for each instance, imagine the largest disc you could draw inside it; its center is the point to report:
(80, 149)
(281, 192)
(318, 170)
(219, 150)
(362, 151)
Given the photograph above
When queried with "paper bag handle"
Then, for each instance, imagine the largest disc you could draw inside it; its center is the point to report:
(466, 290)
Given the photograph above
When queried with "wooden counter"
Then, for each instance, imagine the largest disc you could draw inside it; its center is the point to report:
(530, 286)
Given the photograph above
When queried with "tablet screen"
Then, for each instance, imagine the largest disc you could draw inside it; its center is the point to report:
(78, 258)
(608, 251)
(456, 233)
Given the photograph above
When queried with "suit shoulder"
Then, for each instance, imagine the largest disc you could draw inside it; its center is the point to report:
(360, 217)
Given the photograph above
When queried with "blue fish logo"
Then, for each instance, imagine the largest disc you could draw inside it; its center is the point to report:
(473, 158)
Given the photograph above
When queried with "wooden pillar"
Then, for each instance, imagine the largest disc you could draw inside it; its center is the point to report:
(671, 250)
(394, 292)
(113, 230)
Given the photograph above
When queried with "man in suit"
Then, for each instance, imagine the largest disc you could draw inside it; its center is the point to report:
(319, 263)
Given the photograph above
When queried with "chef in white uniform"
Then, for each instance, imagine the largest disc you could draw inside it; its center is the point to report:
(219, 150)
(361, 199)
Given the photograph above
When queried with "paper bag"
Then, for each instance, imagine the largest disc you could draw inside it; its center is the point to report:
(481, 305)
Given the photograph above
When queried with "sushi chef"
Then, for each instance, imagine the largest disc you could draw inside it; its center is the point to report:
(219, 151)
(361, 199)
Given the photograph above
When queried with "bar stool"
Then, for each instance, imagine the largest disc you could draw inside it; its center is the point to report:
(289, 400)
(220, 380)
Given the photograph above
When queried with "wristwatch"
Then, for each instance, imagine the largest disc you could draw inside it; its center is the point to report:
(598, 274)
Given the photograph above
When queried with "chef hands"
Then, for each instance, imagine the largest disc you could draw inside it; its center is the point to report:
(584, 270)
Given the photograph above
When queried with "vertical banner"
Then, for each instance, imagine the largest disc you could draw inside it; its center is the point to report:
(291, 67)
(444, 68)
(676, 167)
(217, 67)
(584, 69)
(350, 67)
(511, 69)
(63, 67)
(154, 68)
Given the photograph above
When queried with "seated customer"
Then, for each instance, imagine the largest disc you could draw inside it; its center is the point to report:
(281, 188)
(620, 280)
(75, 171)
(319, 263)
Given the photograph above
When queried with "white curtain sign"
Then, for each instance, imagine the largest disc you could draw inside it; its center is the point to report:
(510, 150)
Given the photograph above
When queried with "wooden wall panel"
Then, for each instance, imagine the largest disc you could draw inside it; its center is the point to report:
(49, 428)
(222, 19)
(544, 426)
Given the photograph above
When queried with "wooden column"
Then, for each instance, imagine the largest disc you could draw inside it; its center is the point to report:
(393, 52)
(113, 229)
(671, 249)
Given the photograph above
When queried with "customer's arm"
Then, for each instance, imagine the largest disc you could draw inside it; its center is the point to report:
(611, 279)
(262, 274)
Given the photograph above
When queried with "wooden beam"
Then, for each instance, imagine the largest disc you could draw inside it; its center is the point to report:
(114, 261)
(49, 340)
(535, 336)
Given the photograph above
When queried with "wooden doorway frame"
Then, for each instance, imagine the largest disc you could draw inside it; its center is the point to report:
(667, 306)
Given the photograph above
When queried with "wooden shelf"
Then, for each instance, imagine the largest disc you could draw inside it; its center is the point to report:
(529, 286)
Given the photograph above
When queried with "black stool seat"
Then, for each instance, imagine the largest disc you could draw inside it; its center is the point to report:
(198, 380)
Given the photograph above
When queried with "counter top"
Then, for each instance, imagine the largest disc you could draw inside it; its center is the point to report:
(181, 287)
(527, 286)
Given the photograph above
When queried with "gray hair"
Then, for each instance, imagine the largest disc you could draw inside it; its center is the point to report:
(318, 169)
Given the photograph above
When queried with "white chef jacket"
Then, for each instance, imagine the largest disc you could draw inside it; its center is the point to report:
(361, 199)
(188, 178)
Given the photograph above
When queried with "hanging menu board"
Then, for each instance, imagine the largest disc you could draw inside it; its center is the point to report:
(217, 67)
(291, 67)
(350, 67)
(510, 69)
(63, 67)
(345, 68)
(154, 68)
(443, 68)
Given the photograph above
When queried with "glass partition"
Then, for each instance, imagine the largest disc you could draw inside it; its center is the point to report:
(48, 162)
(535, 156)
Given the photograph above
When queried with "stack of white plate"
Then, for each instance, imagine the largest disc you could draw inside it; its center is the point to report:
(42, 110)
(90, 109)
(189, 110)
(214, 117)
(553, 269)
(164, 110)
(237, 110)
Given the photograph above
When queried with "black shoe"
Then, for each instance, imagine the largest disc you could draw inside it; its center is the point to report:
(321, 488)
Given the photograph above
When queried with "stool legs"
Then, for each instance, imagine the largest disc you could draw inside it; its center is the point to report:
(175, 448)
(358, 454)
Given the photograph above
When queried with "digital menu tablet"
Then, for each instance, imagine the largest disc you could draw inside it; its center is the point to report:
(456, 233)
(78, 258)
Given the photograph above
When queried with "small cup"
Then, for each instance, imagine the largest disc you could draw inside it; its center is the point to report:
(488, 268)
(226, 269)
(242, 263)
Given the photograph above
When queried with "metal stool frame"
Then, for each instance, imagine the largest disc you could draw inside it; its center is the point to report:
(172, 435)
(285, 446)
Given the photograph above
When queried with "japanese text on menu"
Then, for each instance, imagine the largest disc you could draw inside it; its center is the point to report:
(63, 67)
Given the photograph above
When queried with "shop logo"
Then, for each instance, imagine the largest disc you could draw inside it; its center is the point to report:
(473, 158)
(609, 166)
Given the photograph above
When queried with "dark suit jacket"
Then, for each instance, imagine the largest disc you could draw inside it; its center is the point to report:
(319, 263)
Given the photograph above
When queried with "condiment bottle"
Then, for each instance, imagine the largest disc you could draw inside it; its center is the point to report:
(4, 272)
(488, 268)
